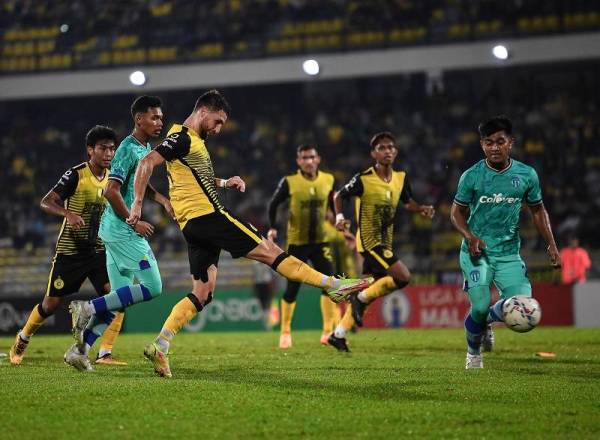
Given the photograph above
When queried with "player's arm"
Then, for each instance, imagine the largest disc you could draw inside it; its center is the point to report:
(175, 146)
(161, 199)
(53, 202)
(144, 170)
(411, 205)
(112, 193)
(533, 198)
(282, 192)
(541, 219)
(354, 188)
(460, 211)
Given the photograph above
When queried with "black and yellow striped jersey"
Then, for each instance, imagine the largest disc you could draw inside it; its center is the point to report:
(376, 205)
(307, 207)
(192, 187)
(81, 192)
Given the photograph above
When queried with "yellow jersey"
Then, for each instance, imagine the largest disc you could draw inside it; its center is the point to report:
(308, 201)
(192, 187)
(375, 206)
(81, 192)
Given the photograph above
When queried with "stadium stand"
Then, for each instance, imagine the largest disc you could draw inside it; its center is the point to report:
(54, 35)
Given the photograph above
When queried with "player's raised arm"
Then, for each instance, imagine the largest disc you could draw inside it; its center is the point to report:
(142, 177)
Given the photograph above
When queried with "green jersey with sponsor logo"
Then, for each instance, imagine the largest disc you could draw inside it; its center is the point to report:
(494, 199)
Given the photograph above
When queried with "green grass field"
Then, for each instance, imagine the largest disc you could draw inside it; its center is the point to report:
(394, 384)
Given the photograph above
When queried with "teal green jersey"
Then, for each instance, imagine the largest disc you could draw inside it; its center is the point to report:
(122, 169)
(494, 199)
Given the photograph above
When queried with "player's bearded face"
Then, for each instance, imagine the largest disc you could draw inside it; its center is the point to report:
(212, 122)
(151, 122)
(308, 161)
(497, 146)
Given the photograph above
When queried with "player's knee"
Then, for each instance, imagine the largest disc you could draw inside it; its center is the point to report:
(48, 306)
(290, 295)
(154, 286)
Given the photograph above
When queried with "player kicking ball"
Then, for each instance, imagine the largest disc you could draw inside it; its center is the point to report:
(486, 212)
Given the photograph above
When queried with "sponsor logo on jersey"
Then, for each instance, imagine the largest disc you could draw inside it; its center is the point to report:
(498, 199)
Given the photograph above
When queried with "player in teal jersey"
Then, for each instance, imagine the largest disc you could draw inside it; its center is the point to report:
(491, 193)
(128, 254)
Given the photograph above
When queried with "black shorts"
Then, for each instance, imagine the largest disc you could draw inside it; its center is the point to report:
(68, 273)
(319, 254)
(208, 234)
(378, 260)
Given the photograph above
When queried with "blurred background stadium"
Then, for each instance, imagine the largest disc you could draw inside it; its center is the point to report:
(423, 70)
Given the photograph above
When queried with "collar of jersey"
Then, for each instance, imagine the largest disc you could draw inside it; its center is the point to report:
(502, 170)
(87, 164)
(304, 177)
(137, 141)
(191, 131)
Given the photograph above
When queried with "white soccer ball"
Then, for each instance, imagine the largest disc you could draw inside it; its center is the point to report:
(521, 313)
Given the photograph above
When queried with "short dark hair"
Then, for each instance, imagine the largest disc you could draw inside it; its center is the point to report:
(98, 133)
(494, 125)
(213, 101)
(306, 147)
(382, 135)
(143, 103)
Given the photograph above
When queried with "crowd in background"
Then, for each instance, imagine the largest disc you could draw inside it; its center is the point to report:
(555, 110)
(95, 33)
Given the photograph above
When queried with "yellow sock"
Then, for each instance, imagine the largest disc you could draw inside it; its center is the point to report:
(381, 287)
(295, 270)
(111, 333)
(347, 321)
(337, 315)
(181, 314)
(328, 309)
(287, 313)
(34, 322)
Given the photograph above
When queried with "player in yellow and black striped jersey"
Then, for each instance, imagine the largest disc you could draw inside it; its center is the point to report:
(79, 252)
(310, 193)
(207, 226)
(379, 191)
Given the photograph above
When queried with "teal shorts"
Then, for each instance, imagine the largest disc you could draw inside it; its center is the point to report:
(130, 255)
(508, 273)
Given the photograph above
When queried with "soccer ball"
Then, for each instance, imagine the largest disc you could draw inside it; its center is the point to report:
(521, 313)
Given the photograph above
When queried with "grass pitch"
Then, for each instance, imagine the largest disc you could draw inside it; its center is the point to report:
(395, 384)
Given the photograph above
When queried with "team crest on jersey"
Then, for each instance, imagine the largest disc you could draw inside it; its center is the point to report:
(59, 283)
(387, 253)
(312, 191)
(516, 181)
(475, 275)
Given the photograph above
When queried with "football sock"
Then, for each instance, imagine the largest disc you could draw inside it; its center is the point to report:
(287, 313)
(35, 320)
(121, 298)
(181, 314)
(495, 314)
(381, 287)
(474, 332)
(110, 334)
(345, 324)
(295, 270)
(96, 328)
(328, 313)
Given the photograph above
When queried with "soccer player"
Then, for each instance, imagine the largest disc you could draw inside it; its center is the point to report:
(380, 190)
(491, 193)
(79, 252)
(128, 254)
(310, 193)
(207, 226)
